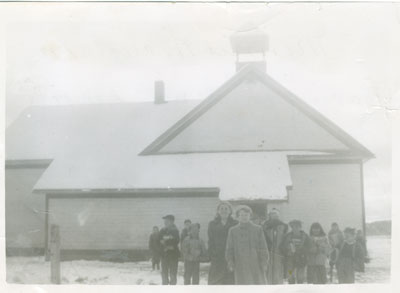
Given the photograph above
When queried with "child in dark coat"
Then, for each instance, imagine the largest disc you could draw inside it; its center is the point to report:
(360, 239)
(294, 248)
(274, 231)
(349, 254)
(193, 251)
(169, 241)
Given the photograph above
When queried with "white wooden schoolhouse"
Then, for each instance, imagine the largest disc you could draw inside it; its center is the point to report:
(107, 173)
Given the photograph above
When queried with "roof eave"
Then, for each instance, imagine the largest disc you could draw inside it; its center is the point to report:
(105, 191)
(24, 163)
(207, 103)
(354, 146)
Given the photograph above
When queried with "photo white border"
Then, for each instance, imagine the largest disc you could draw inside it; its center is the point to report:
(11, 12)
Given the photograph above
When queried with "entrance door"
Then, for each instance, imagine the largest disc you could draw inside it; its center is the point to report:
(259, 208)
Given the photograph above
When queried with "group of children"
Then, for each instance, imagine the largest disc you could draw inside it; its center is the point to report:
(345, 252)
(260, 254)
(164, 248)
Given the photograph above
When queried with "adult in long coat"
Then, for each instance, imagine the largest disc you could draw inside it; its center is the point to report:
(275, 231)
(217, 235)
(247, 251)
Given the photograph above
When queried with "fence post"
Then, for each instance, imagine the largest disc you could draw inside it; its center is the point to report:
(55, 254)
(47, 255)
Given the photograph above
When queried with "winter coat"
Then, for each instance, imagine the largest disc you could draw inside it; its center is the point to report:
(351, 253)
(184, 234)
(318, 251)
(363, 243)
(335, 238)
(154, 244)
(294, 248)
(193, 249)
(275, 231)
(217, 236)
(169, 240)
(247, 253)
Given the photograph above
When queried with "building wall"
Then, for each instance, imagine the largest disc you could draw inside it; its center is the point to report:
(324, 193)
(123, 223)
(25, 211)
(321, 192)
(237, 123)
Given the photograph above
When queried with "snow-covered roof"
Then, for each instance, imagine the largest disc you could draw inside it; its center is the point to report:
(96, 147)
(115, 147)
(236, 175)
(52, 132)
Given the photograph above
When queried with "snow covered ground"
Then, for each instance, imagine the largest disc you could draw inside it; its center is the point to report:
(34, 270)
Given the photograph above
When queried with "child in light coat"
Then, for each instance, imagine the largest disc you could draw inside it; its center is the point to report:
(194, 251)
(317, 255)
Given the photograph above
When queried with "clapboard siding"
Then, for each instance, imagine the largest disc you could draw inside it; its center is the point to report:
(252, 117)
(325, 193)
(25, 211)
(322, 192)
(123, 223)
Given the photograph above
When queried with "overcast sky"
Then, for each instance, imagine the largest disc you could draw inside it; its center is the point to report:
(340, 58)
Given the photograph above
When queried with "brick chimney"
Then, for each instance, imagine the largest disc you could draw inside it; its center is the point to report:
(159, 92)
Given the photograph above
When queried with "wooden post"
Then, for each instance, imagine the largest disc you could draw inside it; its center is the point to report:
(46, 229)
(55, 254)
(47, 254)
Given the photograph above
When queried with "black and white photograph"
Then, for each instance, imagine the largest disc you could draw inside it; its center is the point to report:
(199, 143)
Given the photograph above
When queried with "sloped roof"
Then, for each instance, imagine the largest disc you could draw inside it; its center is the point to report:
(236, 175)
(345, 144)
(98, 147)
(51, 132)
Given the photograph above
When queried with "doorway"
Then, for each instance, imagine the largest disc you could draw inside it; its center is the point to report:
(259, 208)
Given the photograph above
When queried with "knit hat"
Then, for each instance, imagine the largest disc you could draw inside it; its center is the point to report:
(243, 208)
(295, 223)
(349, 230)
(274, 211)
(169, 217)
